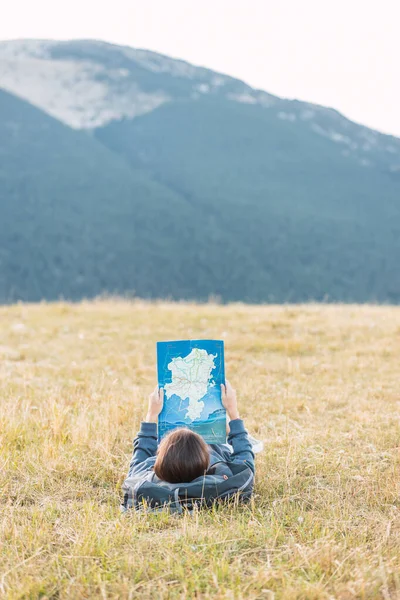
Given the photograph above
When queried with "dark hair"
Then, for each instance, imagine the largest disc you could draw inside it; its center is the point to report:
(181, 457)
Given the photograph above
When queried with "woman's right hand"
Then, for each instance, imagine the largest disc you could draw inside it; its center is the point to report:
(229, 400)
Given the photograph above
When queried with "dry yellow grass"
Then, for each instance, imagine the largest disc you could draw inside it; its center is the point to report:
(320, 385)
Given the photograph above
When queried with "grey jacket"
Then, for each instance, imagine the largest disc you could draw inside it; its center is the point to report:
(229, 474)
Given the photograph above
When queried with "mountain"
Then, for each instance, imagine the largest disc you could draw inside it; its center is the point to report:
(87, 84)
(77, 221)
(61, 230)
(122, 170)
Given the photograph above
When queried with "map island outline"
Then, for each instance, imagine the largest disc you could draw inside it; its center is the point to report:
(191, 378)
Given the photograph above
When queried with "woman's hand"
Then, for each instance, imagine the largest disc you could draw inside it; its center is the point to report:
(156, 401)
(229, 400)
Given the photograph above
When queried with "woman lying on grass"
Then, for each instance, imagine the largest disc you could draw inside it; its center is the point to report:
(184, 471)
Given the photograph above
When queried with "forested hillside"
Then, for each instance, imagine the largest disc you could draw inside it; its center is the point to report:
(78, 221)
(316, 223)
(178, 182)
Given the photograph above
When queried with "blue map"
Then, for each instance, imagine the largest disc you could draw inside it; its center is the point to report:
(191, 373)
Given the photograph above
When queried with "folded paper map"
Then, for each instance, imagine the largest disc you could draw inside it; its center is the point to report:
(191, 373)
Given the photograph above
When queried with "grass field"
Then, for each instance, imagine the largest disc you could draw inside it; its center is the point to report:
(319, 384)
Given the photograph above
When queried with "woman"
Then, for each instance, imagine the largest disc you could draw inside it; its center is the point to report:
(185, 471)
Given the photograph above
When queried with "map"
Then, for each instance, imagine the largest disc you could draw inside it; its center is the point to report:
(191, 373)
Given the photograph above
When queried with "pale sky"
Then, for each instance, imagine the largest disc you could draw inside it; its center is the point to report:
(341, 53)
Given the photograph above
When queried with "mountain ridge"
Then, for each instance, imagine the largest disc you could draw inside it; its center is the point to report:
(188, 64)
(128, 100)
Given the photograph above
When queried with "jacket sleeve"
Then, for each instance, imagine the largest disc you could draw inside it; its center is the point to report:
(239, 440)
(144, 446)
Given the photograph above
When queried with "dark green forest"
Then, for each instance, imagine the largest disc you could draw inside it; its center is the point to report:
(194, 199)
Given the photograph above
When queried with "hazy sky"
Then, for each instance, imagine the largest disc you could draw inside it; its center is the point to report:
(342, 53)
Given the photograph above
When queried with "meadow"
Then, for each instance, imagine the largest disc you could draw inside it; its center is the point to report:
(318, 383)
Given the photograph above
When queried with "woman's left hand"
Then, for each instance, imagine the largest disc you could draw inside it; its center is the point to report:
(156, 401)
